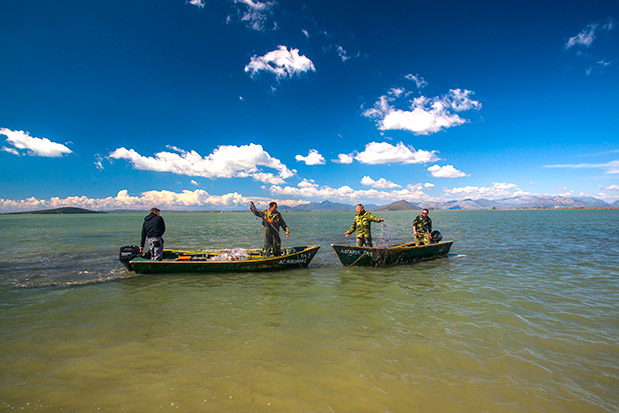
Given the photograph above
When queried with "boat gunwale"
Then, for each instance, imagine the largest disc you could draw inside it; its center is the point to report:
(395, 247)
(202, 262)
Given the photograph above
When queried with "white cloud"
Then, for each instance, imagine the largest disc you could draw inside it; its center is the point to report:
(307, 189)
(225, 162)
(611, 167)
(341, 52)
(612, 188)
(426, 115)
(194, 183)
(381, 183)
(381, 153)
(428, 185)
(281, 62)
(313, 158)
(584, 38)
(497, 190)
(22, 141)
(99, 162)
(255, 13)
(144, 201)
(344, 158)
(447, 171)
(305, 33)
(588, 34)
(420, 82)
(198, 3)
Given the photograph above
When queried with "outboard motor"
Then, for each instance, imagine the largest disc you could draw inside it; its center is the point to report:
(436, 237)
(128, 253)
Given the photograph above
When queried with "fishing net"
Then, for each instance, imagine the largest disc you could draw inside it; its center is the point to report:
(385, 237)
(236, 254)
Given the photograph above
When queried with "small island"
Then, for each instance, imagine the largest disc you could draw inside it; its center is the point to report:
(63, 210)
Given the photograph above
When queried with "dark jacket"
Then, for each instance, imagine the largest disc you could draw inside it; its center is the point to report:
(153, 227)
(271, 221)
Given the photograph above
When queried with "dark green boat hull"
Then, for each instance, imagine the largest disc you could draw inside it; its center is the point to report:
(353, 256)
(297, 257)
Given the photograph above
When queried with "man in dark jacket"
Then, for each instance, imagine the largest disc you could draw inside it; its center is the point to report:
(153, 229)
(272, 221)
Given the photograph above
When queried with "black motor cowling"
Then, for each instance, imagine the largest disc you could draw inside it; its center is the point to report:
(436, 236)
(128, 253)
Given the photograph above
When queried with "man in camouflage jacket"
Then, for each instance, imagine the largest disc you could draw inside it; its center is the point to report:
(361, 224)
(422, 228)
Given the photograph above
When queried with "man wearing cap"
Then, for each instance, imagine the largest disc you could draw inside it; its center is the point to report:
(153, 230)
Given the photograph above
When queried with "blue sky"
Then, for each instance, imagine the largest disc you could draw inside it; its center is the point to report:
(208, 104)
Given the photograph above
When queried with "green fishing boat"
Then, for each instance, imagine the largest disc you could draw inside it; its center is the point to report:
(353, 256)
(217, 260)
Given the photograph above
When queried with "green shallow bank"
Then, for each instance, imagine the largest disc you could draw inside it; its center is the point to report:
(508, 322)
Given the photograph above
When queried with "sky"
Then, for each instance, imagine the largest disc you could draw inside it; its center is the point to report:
(207, 104)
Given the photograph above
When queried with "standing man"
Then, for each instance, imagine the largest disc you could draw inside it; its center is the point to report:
(153, 229)
(422, 229)
(272, 221)
(361, 224)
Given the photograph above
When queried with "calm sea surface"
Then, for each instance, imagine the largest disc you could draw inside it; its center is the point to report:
(522, 316)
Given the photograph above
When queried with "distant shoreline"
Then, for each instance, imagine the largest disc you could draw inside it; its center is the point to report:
(81, 211)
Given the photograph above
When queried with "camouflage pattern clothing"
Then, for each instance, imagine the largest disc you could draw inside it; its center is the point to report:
(423, 226)
(361, 224)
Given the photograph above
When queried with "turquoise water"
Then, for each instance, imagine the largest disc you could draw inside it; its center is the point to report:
(522, 316)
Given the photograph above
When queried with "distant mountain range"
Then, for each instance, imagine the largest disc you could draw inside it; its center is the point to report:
(520, 202)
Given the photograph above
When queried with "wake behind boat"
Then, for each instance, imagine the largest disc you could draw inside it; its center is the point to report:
(353, 256)
(217, 260)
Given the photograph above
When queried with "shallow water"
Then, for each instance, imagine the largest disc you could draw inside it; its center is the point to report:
(522, 316)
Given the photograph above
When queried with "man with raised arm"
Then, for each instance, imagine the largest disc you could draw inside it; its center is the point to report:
(272, 221)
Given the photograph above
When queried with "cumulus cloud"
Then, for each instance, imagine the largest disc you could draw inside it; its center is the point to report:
(309, 189)
(447, 171)
(425, 115)
(497, 190)
(381, 183)
(611, 167)
(612, 188)
(144, 201)
(381, 153)
(281, 62)
(226, 161)
(344, 158)
(313, 158)
(22, 143)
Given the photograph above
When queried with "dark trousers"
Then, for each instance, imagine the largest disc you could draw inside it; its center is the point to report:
(364, 240)
(156, 248)
(272, 242)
